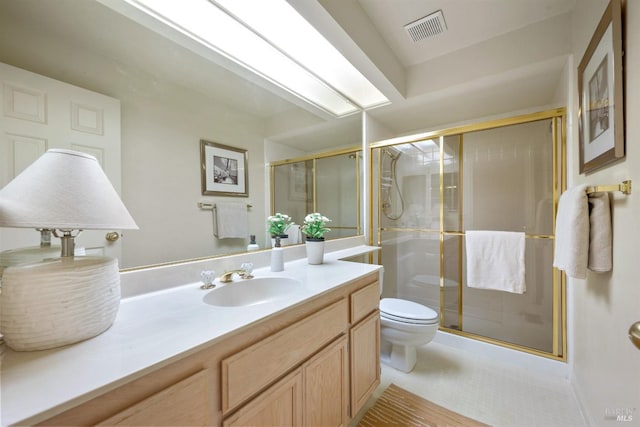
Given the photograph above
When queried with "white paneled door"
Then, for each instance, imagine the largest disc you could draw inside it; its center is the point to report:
(39, 113)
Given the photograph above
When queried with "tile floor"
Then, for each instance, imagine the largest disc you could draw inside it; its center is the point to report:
(486, 390)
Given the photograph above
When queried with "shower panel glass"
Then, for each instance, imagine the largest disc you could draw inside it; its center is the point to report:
(292, 189)
(508, 186)
(501, 176)
(328, 183)
(337, 196)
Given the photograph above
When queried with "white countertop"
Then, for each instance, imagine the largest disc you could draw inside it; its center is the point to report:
(150, 331)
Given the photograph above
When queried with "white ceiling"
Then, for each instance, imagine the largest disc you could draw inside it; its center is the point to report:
(468, 22)
(497, 56)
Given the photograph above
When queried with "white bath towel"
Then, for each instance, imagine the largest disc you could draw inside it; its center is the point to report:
(572, 233)
(230, 220)
(600, 239)
(495, 260)
(295, 234)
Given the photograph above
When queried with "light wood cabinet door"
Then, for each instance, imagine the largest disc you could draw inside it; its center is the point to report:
(365, 360)
(326, 386)
(247, 372)
(279, 405)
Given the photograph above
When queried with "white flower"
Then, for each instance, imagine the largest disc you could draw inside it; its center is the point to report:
(314, 225)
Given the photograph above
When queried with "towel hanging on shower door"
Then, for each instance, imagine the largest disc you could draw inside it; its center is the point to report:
(495, 260)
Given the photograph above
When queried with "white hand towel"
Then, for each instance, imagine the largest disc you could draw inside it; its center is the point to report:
(572, 233)
(600, 240)
(294, 233)
(230, 220)
(495, 260)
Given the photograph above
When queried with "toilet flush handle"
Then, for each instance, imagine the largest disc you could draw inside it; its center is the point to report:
(634, 334)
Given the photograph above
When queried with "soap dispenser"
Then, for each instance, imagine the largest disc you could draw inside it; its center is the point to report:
(277, 260)
(253, 246)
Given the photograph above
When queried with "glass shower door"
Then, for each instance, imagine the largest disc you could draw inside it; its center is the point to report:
(508, 186)
(499, 176)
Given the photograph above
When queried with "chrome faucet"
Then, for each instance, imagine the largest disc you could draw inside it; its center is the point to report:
(228, 276)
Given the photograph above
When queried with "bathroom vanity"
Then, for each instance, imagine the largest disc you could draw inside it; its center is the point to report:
(308, 358)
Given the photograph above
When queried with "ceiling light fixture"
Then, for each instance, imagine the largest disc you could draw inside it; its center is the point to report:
(272, 40)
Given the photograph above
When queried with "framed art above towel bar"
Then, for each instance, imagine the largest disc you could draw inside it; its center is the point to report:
(224, 170)
(601, 106)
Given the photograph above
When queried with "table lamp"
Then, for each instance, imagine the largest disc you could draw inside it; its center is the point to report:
(60, 301)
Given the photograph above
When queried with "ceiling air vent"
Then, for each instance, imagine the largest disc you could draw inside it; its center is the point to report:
(426, 27)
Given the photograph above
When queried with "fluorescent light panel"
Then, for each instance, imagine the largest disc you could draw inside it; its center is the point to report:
(216, 29)
(284, 27)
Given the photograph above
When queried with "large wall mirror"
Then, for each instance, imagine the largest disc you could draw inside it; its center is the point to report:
(170, 98)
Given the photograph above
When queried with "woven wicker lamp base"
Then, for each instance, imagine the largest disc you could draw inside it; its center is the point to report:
(58, 302)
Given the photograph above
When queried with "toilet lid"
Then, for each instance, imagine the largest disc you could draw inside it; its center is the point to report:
(408, 311)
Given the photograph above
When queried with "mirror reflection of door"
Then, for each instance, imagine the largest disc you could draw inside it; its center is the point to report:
(40, 113)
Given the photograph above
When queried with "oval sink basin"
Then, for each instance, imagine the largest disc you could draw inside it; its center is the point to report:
(252, 291)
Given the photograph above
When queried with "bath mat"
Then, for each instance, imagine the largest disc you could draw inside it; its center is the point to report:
(398, 407)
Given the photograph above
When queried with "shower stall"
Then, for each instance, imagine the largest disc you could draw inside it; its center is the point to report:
(429, 189)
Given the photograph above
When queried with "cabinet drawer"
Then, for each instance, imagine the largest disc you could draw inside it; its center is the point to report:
(189, 405)
(279, 405)
(249, 371)
(364, 301)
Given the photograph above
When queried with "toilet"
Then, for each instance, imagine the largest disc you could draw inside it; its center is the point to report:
(404, 325)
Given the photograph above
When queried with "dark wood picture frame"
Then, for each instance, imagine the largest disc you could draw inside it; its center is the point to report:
(600, 90)
(224, 170)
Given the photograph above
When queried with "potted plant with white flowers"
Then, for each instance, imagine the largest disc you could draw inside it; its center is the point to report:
(277, 226)
(314, 228)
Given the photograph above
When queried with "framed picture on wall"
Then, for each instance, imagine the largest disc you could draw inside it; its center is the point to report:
(224, 170)
(601, 109)
(297, 181)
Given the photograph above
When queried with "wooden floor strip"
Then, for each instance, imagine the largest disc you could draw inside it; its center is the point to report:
(398, 407)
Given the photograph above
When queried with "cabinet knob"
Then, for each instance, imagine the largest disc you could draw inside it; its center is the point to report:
(112, 236)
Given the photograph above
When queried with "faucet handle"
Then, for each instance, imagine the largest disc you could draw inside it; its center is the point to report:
(247, 267)
(207, 277)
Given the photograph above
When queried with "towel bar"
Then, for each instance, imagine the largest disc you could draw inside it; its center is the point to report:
(624, 187)
(203, 205)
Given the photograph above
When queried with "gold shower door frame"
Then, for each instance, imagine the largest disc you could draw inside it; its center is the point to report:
(312, 203)
(558, 120)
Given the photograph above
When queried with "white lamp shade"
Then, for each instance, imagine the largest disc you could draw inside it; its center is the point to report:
(64, 190)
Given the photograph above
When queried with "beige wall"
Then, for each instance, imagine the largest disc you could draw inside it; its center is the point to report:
(161, 175)
(606, 366)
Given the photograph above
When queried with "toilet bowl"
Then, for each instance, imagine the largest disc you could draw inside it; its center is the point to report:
(404, 325)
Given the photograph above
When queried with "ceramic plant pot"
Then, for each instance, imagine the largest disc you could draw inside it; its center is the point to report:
(315, 250)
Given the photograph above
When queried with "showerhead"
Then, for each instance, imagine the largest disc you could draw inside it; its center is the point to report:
(392, 152)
